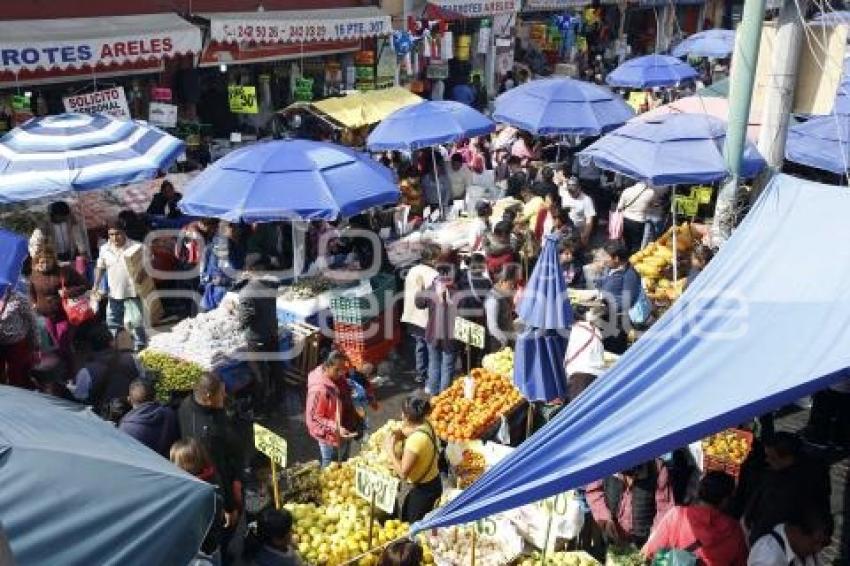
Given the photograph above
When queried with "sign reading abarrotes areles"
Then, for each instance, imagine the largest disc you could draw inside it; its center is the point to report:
(110, 101)
(477, 8)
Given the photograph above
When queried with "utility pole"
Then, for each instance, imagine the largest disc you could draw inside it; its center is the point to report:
(741, 92)
(779, 94)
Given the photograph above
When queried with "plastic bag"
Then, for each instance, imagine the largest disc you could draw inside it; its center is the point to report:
(133, 313)
(504, 433)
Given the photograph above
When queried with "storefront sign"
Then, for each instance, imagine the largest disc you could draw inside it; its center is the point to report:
(282, 29)
(161, 94)
(469, 332)
(162, 114)
(270, 444)
(476, 8)
(437, 70)
(369, 483)
(110, 101)
(243, 99)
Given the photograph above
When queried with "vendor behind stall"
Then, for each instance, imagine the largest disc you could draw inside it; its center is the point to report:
(164, 203)
(418, 462)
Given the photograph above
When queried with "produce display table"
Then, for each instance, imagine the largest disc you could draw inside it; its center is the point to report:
(452, 234)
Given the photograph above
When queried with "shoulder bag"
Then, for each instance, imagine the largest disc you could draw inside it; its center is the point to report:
(405, 487)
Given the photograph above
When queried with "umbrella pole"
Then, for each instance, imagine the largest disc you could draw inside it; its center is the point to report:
(437, 181)
(296, 268)
(675, 230)
(558, 149)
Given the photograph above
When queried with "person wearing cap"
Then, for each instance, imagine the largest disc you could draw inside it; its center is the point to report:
(580, 205)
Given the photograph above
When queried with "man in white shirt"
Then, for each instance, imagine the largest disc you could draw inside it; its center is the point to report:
(122, 293)
(419, 278)
(460, 177)
(794, 543)
(582, 210)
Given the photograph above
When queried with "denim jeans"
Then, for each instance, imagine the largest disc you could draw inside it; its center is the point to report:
(441, 369)
(420, 348)
(329, 452)
(115, 321)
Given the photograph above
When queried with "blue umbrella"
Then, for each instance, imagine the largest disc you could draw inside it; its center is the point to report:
(539, 371)
(52, 155)
(545, 300)
(669, 150)
(651, 71)
(428, 124)
(715, 43)
(76, 490)
(561, 107)
(822, 142)
(13, 251)
(289, 180)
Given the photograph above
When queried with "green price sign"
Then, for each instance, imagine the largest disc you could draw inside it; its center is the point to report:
(701, 194)
(243, 99)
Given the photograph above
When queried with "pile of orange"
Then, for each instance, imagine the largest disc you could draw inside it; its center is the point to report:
(456, 418)
(470, 468)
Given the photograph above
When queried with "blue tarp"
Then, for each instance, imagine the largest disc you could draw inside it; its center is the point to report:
(77, 491)
(671, 149)
(290, 180)
(766, 323)
(562, 106)
(822, 142)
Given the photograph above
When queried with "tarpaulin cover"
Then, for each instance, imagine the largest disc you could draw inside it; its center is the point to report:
(290, 180)
(13, 251)
(822, 142)
(51, 155)
(716, 43)
(668, 150)
(365, 108)
(751, 334)
(77, 491)
(651, 71)
(562, 106)
(428, 124)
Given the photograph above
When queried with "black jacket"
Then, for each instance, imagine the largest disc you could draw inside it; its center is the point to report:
(258, 310)
(153, 425)
(214, 431)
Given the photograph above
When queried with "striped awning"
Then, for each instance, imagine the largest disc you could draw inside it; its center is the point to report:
(53, 155)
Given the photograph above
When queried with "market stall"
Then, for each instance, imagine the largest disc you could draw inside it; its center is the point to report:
(740, 318)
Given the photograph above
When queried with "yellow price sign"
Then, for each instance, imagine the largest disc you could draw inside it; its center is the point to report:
(686, 206)
(242, 99)
(701, 194)
(270, 444)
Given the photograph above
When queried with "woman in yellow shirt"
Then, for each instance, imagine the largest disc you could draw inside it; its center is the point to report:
(418, 462)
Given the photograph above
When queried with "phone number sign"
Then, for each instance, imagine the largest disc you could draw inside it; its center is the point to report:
(297, 31)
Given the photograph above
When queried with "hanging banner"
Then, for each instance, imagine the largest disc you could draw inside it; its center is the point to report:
(242, 99)
(531, 5)
(111, 101)
(476, 8)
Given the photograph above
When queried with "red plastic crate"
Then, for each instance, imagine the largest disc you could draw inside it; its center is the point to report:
(373, 354)
(359, 336)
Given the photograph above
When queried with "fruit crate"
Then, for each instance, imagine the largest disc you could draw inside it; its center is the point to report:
(373, 354)
(361, 310)
(357, 336)
(724, 460)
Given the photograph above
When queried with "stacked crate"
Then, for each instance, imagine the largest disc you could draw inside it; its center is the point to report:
(366, 328)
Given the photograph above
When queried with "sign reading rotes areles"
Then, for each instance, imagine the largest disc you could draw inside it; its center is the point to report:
(109, 101)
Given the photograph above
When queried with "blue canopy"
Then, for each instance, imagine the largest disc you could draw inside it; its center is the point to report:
(13, 252)
(428, 124)
(52, 155)
(562, 106)
(669, 150)
(749, 335)
(651, 71)
(289, 180)
(539, 371)
(715, 43)
(822, 142)
(76, 490)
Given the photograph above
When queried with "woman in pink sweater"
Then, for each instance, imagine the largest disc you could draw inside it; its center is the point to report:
(714, 537)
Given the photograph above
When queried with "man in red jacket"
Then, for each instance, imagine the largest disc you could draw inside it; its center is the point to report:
(328, 401)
